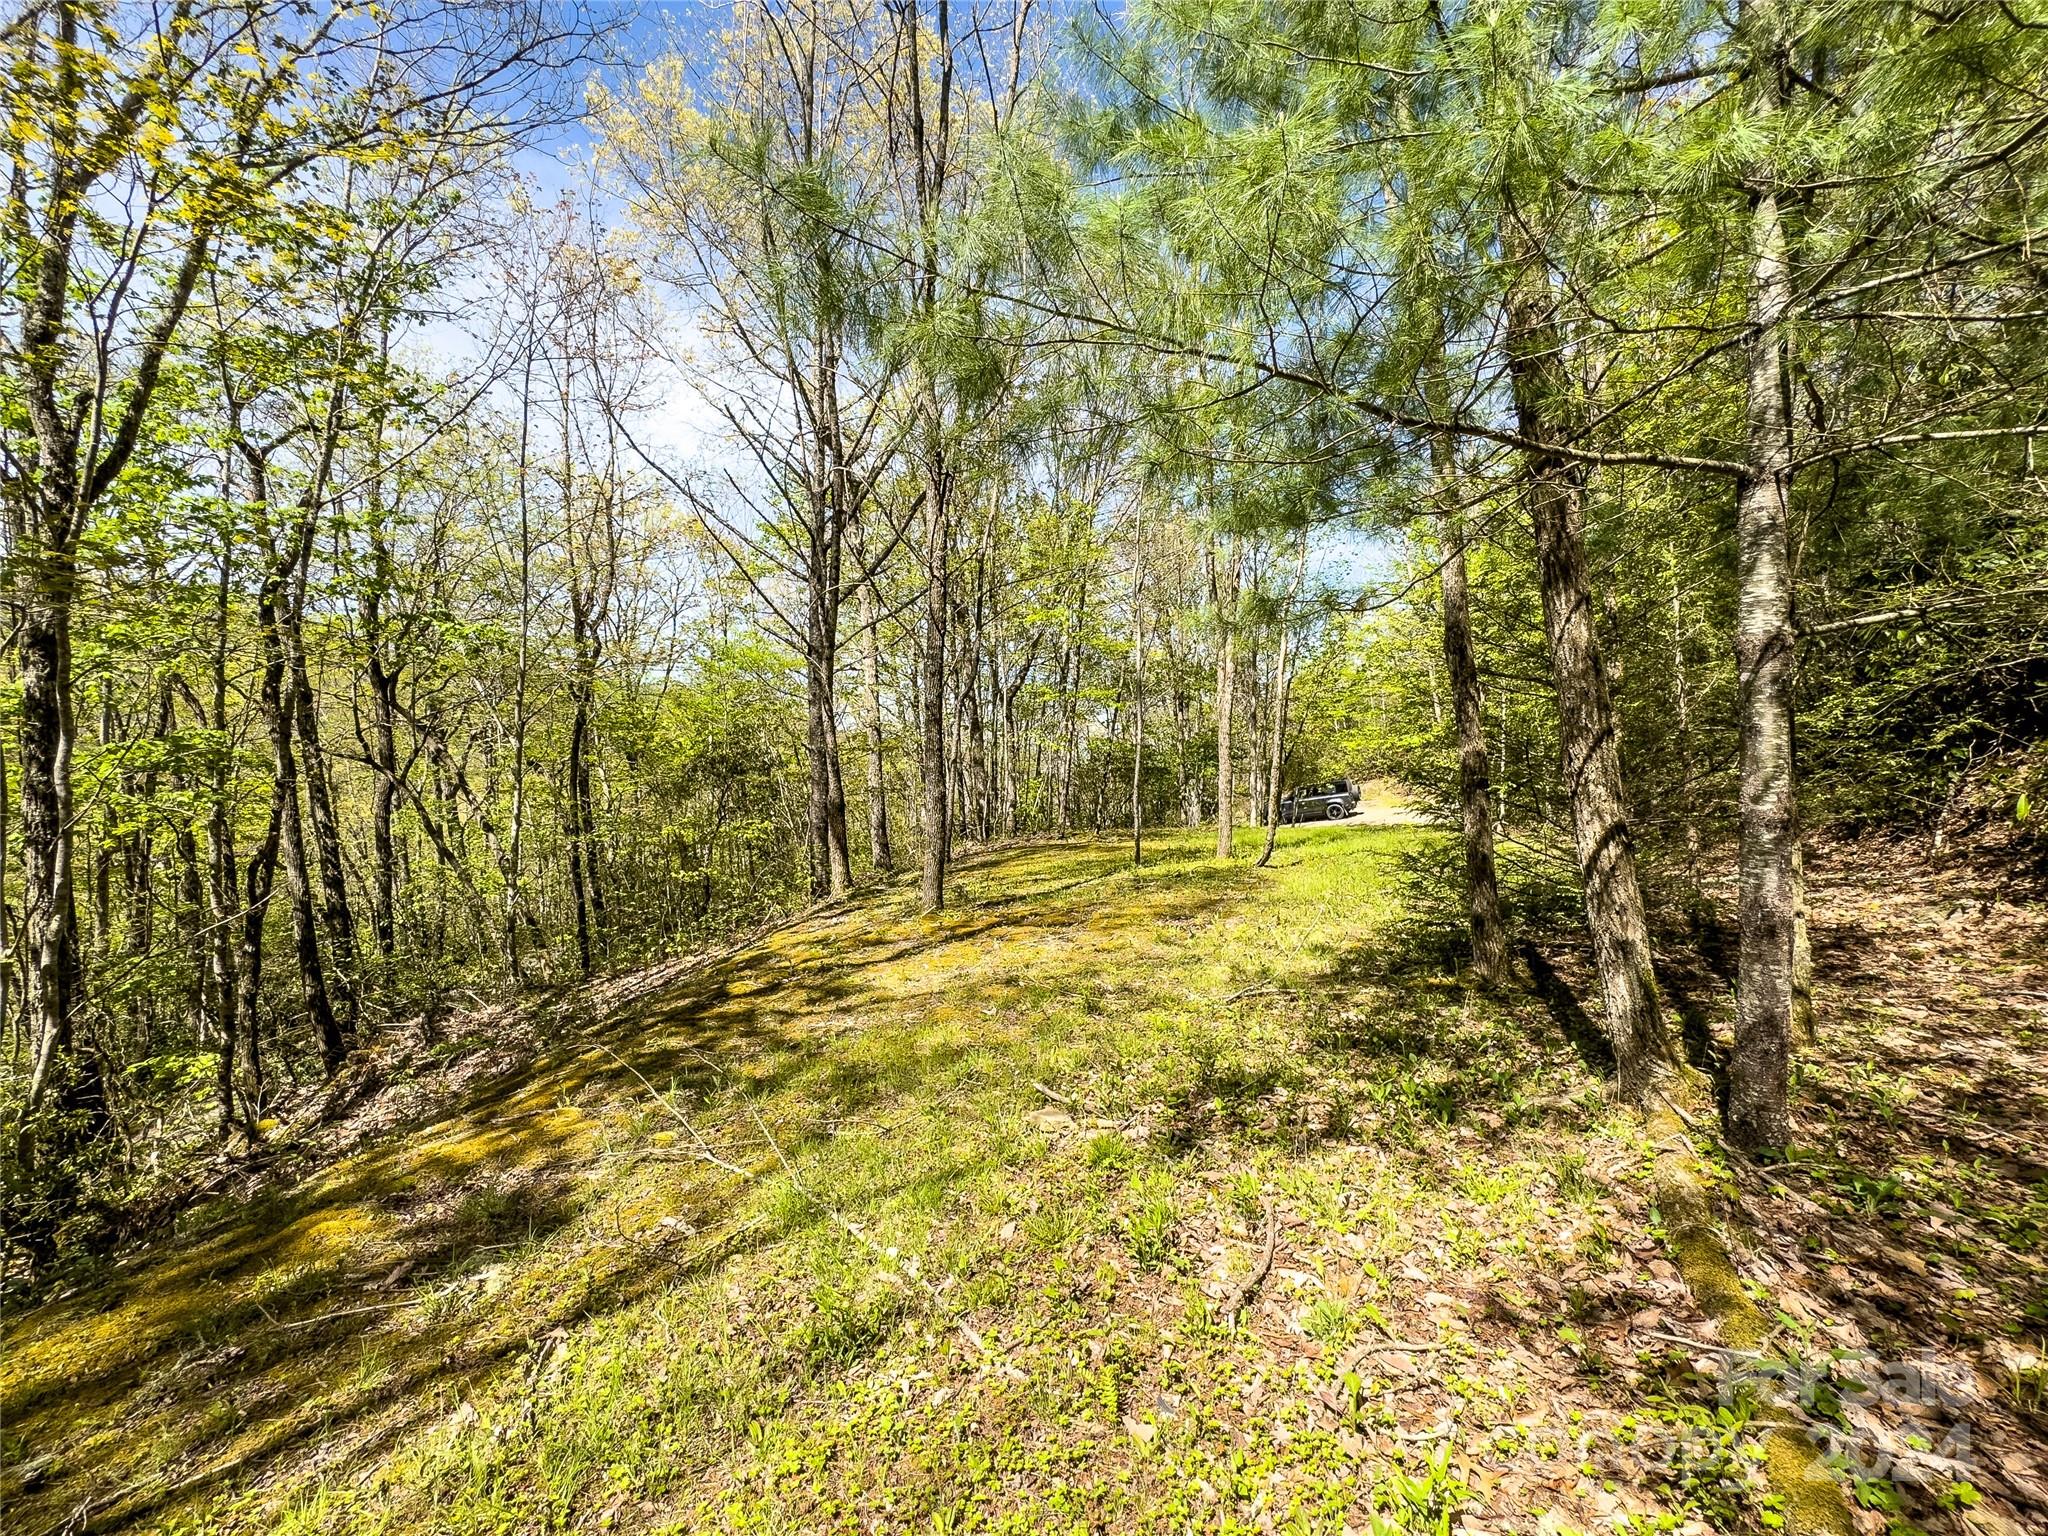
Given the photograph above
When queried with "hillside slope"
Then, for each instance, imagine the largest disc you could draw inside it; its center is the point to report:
(888, 1222)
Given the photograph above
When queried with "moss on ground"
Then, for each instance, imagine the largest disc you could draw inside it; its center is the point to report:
(895, 1222)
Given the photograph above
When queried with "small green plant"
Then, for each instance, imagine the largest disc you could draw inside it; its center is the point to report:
(1595, 1244)
(1340, 1126)
(1110, 1150)
(1327, 1321)
(1425, 1502)
(1246, 1196)
(1710, 1463)
(1878, 1493)
(1958, 1496)
(1148, 1229)
(1055, 1227)
(1878, 1196)
(1574, 1182)
(845, 1328)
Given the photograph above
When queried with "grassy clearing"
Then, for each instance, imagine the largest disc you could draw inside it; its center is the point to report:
(900, 1223)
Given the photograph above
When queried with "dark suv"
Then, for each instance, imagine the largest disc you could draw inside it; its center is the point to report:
(1319, 802)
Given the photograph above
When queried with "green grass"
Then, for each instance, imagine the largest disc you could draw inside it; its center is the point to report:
(895, 1222)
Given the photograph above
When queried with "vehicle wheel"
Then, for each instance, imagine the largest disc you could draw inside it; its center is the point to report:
(1336, 810)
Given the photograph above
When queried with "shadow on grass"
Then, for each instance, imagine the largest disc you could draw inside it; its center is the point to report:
(1595, 1050)
(349, 1313)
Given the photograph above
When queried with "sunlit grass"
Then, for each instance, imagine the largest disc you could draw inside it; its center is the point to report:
(861, 1232)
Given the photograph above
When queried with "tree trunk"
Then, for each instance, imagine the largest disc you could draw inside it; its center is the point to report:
(259, 881)
(1276, 753)
(1554, 495)
(220, 860)
(932, 754)
(818, 778)
(49, 922)
(336, 917)
(220, 957)
(1071, 691)
(6, 931)
(1138, 689)
(383, 809)
(825, 811)
(1226, 668)
(871, 682)
(581, 883)
(838, 845)
(276, 695)
(383, 740)
(1804, 1027)
(1764, 990)
(277, 717)
(1482, 886)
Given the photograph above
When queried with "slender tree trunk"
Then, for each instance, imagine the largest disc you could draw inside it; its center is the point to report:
(384, 805)
(220, 956)
(49, 912)
(832, 866)
(1226, 704)
(382, 745)
(1682, 739)
(1803, 1023)
(1482, 882)
(932, 764)
(337, 919)
(221, 859)
(6, 933)
(838, 844)
(581, 825)
(1071, 730)
(259, 881)
(277, 700)
(1013, 757)
(1138, 688)
(1276, 751)
(974, 767)
(871, 682)
(818, 776)
(1592, 760)
(1255, 760)
(1764, 639)
(1482, 886)
(191, 911)
(930, 145)
(826, 804)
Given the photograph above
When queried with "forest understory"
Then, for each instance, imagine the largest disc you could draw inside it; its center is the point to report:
(1195, 1196)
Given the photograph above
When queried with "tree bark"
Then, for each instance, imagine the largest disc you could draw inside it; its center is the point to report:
(383, 745)
(932, 745)
(1805, 1029)
(277, 702)
(1138, 688)
(1554, 496)
(1482, 885)
(879, 850)
(337, 919)
(1764, 657)
(1226, 679)
(276, 696)
(49, 922)
(1276, 754)
(582, 881)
